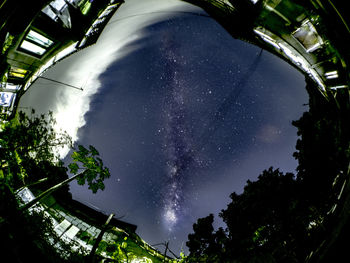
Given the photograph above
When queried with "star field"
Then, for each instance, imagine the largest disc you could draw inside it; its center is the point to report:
(183, 119)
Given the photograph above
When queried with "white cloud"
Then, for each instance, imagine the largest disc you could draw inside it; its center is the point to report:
(84, 68)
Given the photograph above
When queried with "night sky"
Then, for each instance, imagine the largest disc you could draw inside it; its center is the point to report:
(182, 114)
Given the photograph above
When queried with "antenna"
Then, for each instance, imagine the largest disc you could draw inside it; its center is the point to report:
(59, 82)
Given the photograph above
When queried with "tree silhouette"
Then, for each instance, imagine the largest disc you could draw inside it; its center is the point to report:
(266, 223)
(323, 148)
(282, 217)
(94, 173)
(204, 244)
(26, 141)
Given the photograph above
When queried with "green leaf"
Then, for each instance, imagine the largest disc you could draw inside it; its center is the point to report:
(73, 168)
(83, 151)
(93, 150)
(81, 180)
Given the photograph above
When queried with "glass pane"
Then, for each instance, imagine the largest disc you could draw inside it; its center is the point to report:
(74, 1)
(6, 98)
(308, 37)
(47, 10)
(71, 232)
(62, 226)
(58, 4)
(39, 39)
(11, 86)
(32, 48)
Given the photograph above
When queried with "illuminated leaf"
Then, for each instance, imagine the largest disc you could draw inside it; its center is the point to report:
(73, 168)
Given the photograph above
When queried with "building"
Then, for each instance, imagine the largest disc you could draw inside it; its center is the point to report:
(80, 225)
(36, 36)
(310, 35)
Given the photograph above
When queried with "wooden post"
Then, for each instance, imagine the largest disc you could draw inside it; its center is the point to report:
(99, 238)
(48, 192)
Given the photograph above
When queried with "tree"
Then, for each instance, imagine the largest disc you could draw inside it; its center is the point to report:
(205, 245)
(323, 149)
(266, 223)
(28, 147)
(27, 141)
(30, 236)
(282, 218)
(94, 173)
(46, 174)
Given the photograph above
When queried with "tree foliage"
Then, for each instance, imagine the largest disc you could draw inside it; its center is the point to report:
(280, 217)
(28, 154)
(29, 236)
(94, 172)
(323, 149)
(28, 141)
(265, 223)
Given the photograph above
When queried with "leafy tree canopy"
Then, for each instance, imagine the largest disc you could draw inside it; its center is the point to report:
(281, 217)
(94, 172)
(27, 141)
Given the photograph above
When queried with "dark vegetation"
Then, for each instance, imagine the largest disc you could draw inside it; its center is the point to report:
(281, 217)
(28, 157)
(284, 217)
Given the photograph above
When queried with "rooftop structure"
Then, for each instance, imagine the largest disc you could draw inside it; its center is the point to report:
(36, 36)
(80, 225)
(310, 35)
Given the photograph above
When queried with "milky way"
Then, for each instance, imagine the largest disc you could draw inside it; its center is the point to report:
(177, 120)
(178, 143)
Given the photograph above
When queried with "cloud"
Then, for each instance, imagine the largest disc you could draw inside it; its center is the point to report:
(83, 69)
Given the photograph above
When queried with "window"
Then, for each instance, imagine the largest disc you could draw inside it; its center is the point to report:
(58, 4)
(308, 36)
(14, 87)
(6, 98)
(36, 43)
(48, 11)
(39, 39)
(58, 10)
(33, 48)
(62, 227)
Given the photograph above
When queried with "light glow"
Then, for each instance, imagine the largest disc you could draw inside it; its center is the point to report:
(18, 72)
(39, 39)
(339, 87)
(17, 75)
(331, 75)
(170, 216)
(32, 48)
